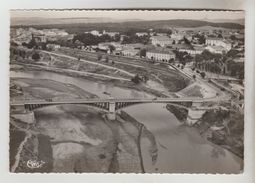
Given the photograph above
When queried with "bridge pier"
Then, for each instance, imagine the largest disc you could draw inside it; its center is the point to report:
(194, 113)
(112, 111)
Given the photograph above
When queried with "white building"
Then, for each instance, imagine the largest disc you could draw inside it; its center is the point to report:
(177, 37)
(95, 33)
(195, 51)
(218, 42)
(161, 40)
(163, 55)
(216, 49)
(53, 46)
(130, 52)
(140, 34)
(111, 34)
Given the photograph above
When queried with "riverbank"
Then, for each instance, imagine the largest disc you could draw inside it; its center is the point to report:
(119, 83)
(75, 138)
(224, 128)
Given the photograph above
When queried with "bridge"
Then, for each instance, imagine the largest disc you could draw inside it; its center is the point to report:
(112, 105)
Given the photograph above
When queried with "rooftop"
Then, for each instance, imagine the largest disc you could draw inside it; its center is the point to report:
(161, 38)
(161, 50)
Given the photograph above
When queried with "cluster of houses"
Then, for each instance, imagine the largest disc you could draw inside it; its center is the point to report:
(161, 48)
(162, 45)
(25, 35)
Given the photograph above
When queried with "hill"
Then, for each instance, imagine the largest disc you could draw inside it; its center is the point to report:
(137, 24)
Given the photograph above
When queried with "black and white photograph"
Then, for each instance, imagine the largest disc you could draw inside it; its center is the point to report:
(126, 91)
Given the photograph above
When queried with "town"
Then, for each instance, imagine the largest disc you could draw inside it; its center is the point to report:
(218, 52)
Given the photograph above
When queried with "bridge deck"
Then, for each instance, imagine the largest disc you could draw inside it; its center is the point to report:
(87, 101)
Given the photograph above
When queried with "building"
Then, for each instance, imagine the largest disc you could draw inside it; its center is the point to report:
(105, 47)
(130, 52)
(111, 34)
(161, 40)
(95, 33)
(161, 55)
(195, 50)
(177, 36)
(218, 42)
(53, 46)
(216, 49)
(39, 38)
(141, 34)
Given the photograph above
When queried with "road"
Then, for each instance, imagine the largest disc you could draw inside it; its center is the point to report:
(82, 101)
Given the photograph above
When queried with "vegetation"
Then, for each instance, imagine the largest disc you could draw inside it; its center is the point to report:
(231, 129)
(89, 39)
(138, 79)
(220, 64)
(180, 113)
(36, 56)
(202, 74)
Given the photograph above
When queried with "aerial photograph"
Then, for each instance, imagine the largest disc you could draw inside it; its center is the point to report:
(126, 91)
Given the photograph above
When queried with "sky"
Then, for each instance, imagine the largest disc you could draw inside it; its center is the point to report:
(122, 15)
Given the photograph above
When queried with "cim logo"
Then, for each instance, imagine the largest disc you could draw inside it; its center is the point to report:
(35, 164)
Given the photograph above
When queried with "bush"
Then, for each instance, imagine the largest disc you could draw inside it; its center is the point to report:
(202, 74)
(136, 79)
(36, 56)
(99, 57)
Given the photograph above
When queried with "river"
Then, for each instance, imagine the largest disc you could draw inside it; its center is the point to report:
(180, 148)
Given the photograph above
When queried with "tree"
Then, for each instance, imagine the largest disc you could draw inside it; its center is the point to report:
(232, 37)
(111, 47)
(113, 62)
(202, 74)
(99, 57)
(194, 76)
(136, 79)
(145, 78)
(143, 53)
(186, 41)
(36, 56)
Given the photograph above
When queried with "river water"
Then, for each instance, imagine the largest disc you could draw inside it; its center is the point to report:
(180, 148)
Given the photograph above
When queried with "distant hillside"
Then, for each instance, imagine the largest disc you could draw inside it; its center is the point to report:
(238, 21)
(76, 20)
(138, 25)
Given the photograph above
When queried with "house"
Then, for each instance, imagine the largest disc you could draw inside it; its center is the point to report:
(177, 36)
(161, 55)
(216, 49)
(161, 40)
(193, 51)
(141, 34)
(105, 47)
(53, 46)
(218, 42)
(39, 38)
(130, 52)
(111, 34)
(95, 33)
(137, 46)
